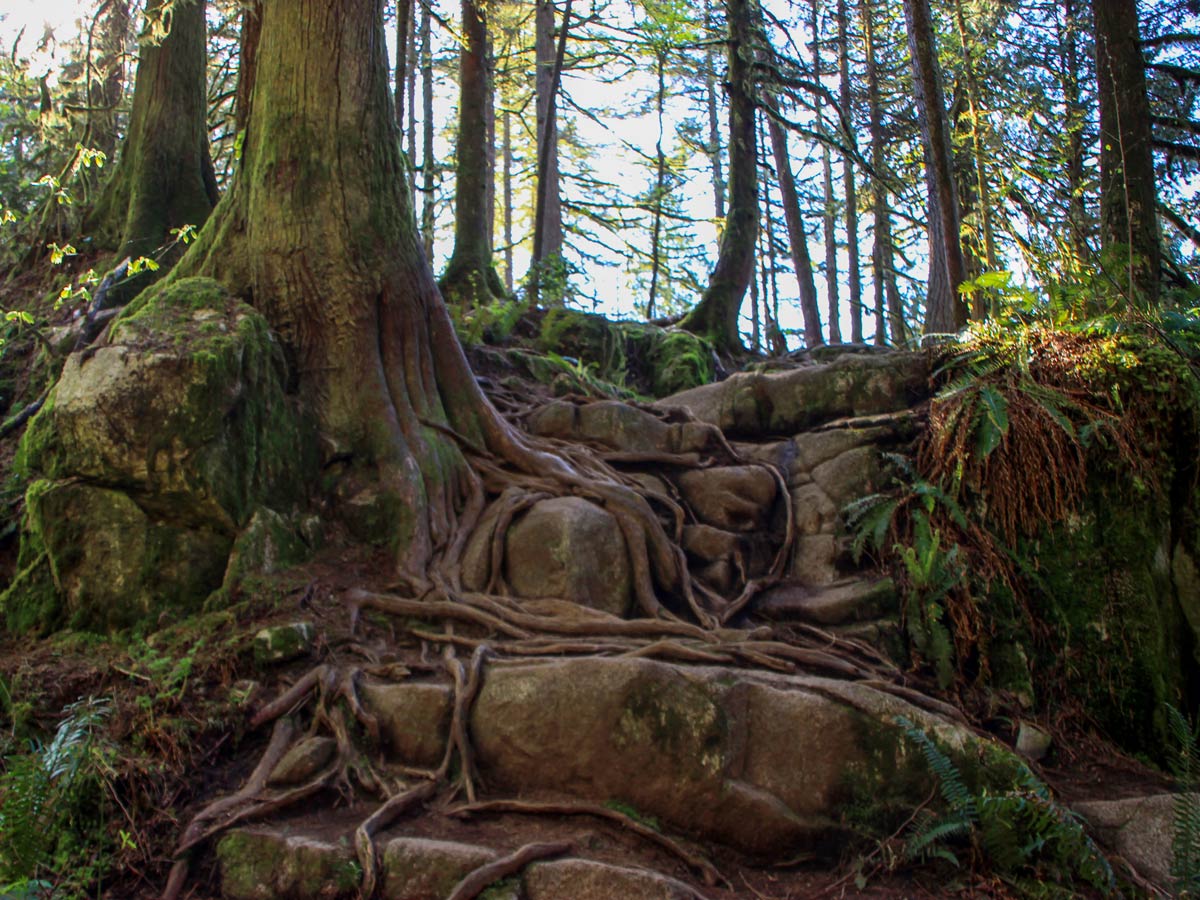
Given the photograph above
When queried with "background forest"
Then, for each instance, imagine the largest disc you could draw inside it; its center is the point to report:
(638, 161)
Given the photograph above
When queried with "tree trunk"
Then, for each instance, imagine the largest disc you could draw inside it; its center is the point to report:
(714, 125)
(547, 138)
(318, 231)
(247, 61)
(945, 310)
(547, 270)
(984, 243)
(164, 178)
(404, 23)
(1128, 207)
(1074, 123)
(106, 83)
(853, 273)
(428, 212)
(716, 315)
(508, 202)
(833, 300)
(470, 278)
(801, 261)
(660, 174)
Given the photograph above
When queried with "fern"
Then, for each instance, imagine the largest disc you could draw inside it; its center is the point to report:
(39, 792)
(1021, 831)
(1185, 836)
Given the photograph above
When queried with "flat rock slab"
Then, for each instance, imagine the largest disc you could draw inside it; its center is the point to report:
(1139, 828)
(262, 863)
(760, 762)
(785, 403)
(583, 879)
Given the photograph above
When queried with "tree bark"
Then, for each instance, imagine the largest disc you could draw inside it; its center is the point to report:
(832, 293)
(547, 136)
(660, 173)
(404, 25)
(1075, 117)
(470, 278)
(716, 315)
(508, 202)
(945, 310)
(164, 178)
(247, 61)
(1128, 205)
(714, 126)
(797, 239)
(547, 270)
(853, 273)
(318, 233)
(428, 211)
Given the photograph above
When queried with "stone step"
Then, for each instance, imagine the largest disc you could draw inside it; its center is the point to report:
(841, 603)
(762, 762)
(264, 863)
(758, 404)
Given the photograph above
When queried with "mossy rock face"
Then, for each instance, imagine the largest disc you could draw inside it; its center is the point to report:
(1105, 586)
(92, 559)
(181, 427)
(652, 361)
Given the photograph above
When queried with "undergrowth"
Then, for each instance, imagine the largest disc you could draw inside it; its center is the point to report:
(53, 808)
(1018, 832)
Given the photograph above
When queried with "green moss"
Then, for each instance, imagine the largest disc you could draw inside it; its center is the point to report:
(681, 719)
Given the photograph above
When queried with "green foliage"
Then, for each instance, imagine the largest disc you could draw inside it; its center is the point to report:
(491, 323)
(1019, 830)
(1185, 835)
(52, 805)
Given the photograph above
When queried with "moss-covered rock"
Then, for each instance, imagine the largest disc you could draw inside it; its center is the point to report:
(151, 454)
(650, 360)
(91, 558)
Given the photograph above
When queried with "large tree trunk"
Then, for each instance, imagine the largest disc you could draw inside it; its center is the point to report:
(1074, 121)
(1128, 208)
(106, 83)
(797, 239)
(716, 315)
(548, 271)
(945, 310)
(164, 178)
(470, 278)
(550, 252)
(318, 232)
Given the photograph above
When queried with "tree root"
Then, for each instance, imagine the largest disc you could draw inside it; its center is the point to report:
(477, 881)
(694, 861)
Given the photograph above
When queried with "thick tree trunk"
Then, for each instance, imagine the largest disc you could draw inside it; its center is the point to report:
(470, 278)
(945, 310)
(716, 315)
(798, 240)
(853, 272)
(318, 232)
(164, 178)
(1128, 207)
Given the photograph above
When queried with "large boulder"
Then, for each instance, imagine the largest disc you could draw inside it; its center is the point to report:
(152, 453)
(766, 763)
(571, 549)
(784, 403)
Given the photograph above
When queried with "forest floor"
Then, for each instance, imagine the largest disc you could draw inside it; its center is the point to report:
(180, 695)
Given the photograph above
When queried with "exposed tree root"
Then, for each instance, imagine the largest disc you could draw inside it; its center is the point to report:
(477, 882)
(694, 861)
